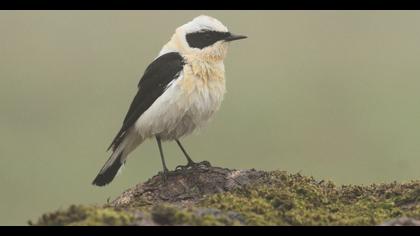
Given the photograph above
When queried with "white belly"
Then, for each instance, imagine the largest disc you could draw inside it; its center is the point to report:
(186, 105)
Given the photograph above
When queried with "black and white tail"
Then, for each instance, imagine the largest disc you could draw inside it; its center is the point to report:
(109, 170)
(121, 149)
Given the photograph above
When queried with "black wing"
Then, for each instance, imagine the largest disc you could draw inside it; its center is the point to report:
(156, 77)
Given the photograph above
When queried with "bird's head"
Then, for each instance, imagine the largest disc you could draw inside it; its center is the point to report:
(204, 37)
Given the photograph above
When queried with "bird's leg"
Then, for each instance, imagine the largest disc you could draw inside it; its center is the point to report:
(165, 169)
(190, 163)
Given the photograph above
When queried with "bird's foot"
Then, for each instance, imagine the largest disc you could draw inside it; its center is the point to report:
(164, 175)
(193, 165)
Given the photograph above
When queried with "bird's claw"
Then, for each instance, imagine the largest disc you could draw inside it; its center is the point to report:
(181, 167)
(193, 165)
(204, 163)
(164, 175)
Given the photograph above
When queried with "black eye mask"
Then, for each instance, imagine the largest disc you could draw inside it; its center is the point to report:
(205, 38)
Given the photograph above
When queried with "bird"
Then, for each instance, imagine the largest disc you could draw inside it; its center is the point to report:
(179, 92)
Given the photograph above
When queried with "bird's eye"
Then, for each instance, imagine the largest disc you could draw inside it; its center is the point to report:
(204, 39)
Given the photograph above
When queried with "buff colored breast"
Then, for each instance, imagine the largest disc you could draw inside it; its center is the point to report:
(204, 85)
(187, 104)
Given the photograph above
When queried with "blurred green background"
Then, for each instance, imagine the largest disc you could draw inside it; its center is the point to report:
(331, 94)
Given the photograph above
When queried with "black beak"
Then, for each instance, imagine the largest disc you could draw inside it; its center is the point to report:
(233, 37)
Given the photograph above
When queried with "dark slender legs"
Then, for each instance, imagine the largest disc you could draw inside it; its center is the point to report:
(190, 161)
(165, 169)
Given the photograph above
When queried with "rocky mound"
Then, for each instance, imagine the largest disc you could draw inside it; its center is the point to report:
(220, 196)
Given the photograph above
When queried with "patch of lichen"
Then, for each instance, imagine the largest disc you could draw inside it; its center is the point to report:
(285, 199)
(85, 216)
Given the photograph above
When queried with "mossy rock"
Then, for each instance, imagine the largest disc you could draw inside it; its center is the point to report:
(86, 215)
(219, 196)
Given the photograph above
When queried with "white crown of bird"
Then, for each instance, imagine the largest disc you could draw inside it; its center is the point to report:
(178, 42)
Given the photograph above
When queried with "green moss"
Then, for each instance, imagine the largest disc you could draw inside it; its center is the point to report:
(85, 215)
(279, 199)
(171, 215)
(297, 200)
